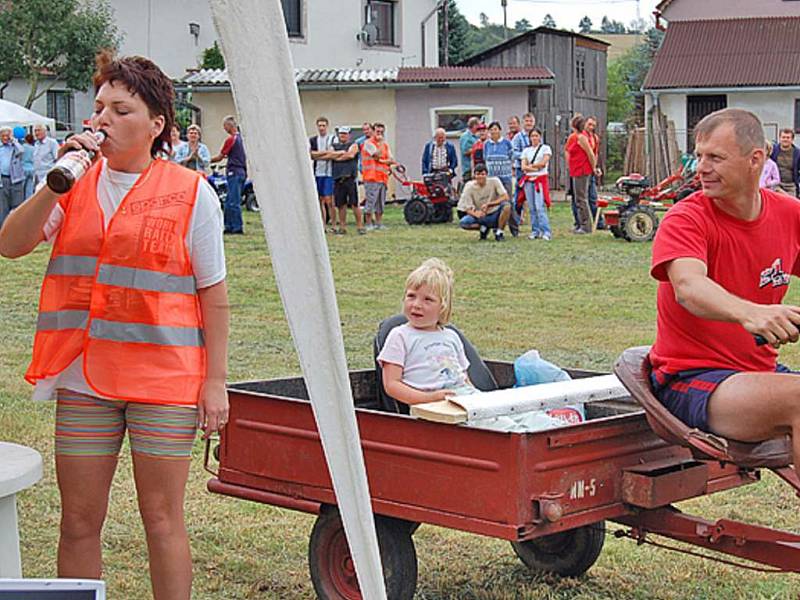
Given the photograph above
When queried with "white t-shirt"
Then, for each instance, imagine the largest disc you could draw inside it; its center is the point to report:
(529, 153)
(431, 360)
(204, 241)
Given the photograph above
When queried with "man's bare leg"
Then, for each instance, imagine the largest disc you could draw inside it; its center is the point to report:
(752, 407)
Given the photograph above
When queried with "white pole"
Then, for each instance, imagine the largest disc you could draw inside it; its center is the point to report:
(256, 49)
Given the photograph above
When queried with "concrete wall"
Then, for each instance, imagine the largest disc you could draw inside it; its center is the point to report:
(415, 107)
(692, 10)
(160, 30)
(775, 109)
(214, 106)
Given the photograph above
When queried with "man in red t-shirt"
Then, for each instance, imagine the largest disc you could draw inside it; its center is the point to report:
(723, 258)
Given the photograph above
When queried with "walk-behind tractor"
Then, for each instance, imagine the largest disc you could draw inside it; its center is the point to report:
(633, 215)
(432, 199)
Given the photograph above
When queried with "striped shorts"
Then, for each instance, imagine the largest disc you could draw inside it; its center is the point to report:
(90, 426)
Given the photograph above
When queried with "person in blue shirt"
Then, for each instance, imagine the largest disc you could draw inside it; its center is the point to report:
(498, 155)
(27, 165)
(467, 140)
(521, 141)
(12, 175)
(193, 154)
(439, 155)
(45, 153)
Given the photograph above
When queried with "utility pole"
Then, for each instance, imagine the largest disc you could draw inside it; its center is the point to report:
(504, 4)
(446, 32)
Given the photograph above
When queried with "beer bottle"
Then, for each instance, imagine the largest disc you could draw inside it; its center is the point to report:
(71, 167)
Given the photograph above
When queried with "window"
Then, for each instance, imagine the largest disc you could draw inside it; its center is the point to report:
(797, 116)
(60, 108)
(453, 119)
(293, 14)
(580, 72)
(382, 14)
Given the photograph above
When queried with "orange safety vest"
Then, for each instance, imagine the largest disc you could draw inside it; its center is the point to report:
(371, 169)
(125, 297)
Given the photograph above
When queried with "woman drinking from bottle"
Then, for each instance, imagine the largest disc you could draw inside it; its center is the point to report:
(133, 320)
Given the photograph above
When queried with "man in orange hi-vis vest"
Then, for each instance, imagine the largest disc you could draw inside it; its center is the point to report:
(376, 164)
(133, 320)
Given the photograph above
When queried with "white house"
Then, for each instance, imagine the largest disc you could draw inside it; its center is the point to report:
(324, 34)
(727, 53)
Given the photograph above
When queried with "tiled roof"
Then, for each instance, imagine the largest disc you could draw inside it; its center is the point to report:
(437, 74)
(396, 76)
(728, 53)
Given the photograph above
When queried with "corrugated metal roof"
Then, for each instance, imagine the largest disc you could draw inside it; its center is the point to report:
(335, 76)
(394, 76)
(444, 74)
(728, 53)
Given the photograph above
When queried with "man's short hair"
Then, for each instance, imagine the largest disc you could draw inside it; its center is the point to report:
(747, 127)
(5, 128)
(480, 168)
(229, 119)
(513, 118)
(376, 125)
(322, 120)
(787, 130)
(194, 127)
(472, 122)
(529, 114)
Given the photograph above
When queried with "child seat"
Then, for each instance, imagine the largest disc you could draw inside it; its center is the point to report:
(479, 374)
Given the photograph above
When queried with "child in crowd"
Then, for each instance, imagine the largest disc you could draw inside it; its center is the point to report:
(422, 360)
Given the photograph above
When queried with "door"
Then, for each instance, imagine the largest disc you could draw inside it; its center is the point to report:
(698, 107)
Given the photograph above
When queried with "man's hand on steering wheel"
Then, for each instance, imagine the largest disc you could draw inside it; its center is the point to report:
(778, 324)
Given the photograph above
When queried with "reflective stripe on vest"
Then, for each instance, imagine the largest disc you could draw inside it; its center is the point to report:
(161, 335)
(57, 320)
(72, 265)
(143, 279)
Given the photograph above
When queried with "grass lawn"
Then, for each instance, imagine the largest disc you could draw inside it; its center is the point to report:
(579, 300)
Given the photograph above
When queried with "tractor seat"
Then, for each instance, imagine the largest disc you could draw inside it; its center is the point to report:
(479, 374)
(633, 369)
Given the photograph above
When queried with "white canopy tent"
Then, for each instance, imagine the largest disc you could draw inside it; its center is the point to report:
(12, 115)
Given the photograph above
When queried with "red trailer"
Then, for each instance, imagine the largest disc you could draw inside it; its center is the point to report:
(548, 493)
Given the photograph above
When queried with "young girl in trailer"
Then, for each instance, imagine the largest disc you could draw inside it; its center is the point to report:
(422, 360)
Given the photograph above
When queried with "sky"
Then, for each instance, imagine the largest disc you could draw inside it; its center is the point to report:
(567, 13)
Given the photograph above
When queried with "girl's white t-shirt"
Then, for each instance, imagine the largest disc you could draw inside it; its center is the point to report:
(431, 360)
(530, 152)
(204, 241)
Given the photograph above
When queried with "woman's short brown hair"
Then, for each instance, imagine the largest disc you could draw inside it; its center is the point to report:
(145, 79)
(578, 122)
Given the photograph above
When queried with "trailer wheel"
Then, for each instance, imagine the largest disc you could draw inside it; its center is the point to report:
(415, 211)
(568, 553)
(333, 572)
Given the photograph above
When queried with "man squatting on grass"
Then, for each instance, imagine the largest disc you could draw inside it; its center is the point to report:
(723, 257)
(485, 202)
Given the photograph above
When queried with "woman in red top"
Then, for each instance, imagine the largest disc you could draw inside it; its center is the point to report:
(582, 163)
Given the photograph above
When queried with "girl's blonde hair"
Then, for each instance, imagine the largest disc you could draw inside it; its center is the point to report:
(439, 277)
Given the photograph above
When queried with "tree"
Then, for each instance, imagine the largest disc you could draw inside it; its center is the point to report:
(626, 76)
(549, 21)
(610, 26)
(45, 41)
(484, 19)
(212, 58)
(458, 29)
(522, 26)
(585, 26)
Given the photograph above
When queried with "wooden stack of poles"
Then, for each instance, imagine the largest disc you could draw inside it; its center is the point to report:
(654, 153)
(635, 152)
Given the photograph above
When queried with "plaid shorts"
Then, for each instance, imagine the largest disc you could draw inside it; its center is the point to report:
(686, 393)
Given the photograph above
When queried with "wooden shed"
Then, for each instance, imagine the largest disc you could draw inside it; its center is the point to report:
(579, 64)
